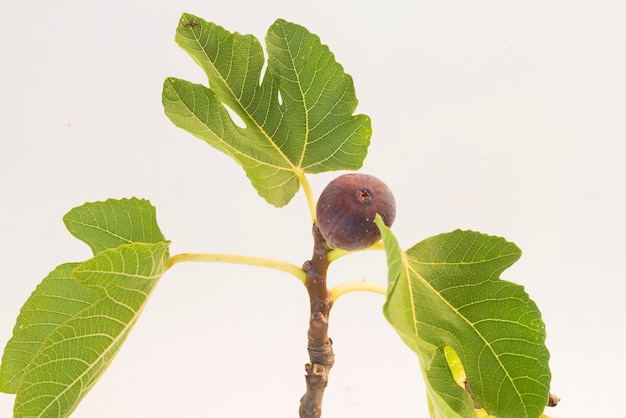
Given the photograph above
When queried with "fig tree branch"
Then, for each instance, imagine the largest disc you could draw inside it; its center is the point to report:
(321, 356)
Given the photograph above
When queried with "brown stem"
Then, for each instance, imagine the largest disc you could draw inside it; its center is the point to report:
(321, 356)
(553, 400)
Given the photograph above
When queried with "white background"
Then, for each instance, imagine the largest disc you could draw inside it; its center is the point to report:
(505, 117)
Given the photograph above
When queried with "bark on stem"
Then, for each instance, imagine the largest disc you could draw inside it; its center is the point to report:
(321, 356)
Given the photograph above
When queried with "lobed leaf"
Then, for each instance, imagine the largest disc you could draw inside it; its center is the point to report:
(73, 324)
(298, 116)
(77, 352)
(112, 223)
(445, 293)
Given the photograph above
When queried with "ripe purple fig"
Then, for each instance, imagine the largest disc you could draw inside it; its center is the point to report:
(347, 207)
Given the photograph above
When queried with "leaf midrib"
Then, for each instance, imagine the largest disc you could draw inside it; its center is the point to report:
(305, 108)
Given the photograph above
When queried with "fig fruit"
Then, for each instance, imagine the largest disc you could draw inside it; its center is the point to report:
(346, 209)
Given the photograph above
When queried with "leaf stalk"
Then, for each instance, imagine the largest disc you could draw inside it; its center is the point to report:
(279, 265)
(308, 193)
(357, 286)
(337, 253)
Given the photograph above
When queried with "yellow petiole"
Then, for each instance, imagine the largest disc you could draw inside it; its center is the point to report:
(239, 259)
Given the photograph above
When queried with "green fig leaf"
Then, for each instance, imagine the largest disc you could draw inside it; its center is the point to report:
(298, 116)
(445, 294)
(112, 223)
(57, 298)
(76, 353)
(84, 309)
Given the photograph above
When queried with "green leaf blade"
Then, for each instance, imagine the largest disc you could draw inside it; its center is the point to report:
(496, 329)
(78, 351)
(270, 173)
(232, 62)
(319, 99)
(446, 398)
(57, 298)
(447, 293)
(109, 224)
(298, 117)
(75, 321)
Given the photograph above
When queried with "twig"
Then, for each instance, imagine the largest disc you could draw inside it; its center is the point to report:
(321, 356)
(553, 400)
